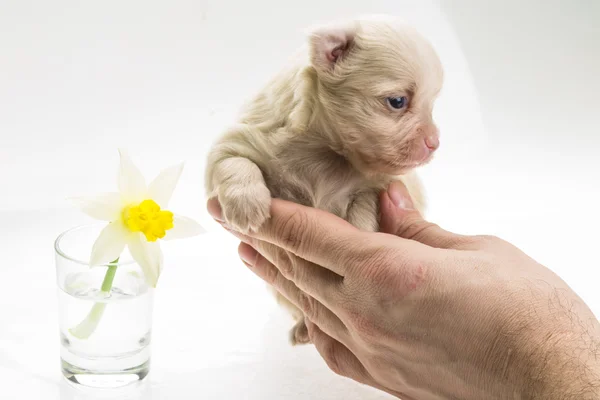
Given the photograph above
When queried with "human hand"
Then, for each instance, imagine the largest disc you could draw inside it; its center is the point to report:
(423, 313)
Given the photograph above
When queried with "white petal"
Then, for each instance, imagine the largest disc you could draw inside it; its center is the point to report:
(148, 255)
(162, 187)
(105, 207)
(110, 243)
(183, 227)
(132, 184)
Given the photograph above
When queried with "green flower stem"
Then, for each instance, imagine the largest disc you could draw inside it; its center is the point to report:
(109, 277)
(88, 326)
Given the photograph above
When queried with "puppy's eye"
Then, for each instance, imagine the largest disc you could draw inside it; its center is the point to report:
(397, 103)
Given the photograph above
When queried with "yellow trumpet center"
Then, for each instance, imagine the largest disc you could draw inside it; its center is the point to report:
(148, 218)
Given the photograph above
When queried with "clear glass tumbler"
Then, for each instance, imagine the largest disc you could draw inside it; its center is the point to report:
(105, 329)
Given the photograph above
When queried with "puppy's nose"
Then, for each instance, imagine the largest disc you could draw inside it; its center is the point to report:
(432, 142)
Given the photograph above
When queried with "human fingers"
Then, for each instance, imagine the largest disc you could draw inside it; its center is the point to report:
(311, 234)
(309, 306)
(398, 217)
(337, 356)
(341, 360)
(318, 282)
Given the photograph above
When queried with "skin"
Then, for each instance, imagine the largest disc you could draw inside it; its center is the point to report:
(423, 313)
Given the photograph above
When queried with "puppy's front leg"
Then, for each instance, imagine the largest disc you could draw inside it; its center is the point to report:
(234, 177)
(363, 212)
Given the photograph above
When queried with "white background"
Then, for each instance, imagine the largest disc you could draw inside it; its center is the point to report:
(519, 159)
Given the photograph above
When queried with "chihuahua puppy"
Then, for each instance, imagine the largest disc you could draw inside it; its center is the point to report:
(352, 113)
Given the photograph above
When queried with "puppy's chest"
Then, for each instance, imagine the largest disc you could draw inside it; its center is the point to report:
(321, 183)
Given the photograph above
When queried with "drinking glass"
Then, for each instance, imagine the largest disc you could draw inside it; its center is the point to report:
(105, 328)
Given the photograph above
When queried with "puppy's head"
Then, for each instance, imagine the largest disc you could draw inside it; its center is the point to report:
(377, 82)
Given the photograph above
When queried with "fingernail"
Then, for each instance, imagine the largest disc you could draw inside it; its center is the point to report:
(400, 196)
(238, 235)
(214, 209)
(248, 254)
(234, 233)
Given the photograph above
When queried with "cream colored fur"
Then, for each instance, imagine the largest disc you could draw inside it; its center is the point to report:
(321, 133)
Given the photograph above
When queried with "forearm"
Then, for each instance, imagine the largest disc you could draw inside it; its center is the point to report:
(543, 344)
(567, 369)
(554, 357)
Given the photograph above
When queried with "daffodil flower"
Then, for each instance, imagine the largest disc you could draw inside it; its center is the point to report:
(137, 218)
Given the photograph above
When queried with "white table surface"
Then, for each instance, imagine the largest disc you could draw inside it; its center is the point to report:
(518, 159)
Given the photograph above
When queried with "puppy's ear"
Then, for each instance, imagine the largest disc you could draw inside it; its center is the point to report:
(330, 44)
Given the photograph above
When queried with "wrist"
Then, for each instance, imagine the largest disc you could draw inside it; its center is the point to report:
(565, 367)
(558, 358)
(551, 356)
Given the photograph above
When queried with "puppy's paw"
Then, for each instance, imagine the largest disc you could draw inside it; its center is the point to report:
(245, 207)
(299, 334)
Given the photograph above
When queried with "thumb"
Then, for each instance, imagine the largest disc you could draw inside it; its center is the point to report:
(400, 218)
